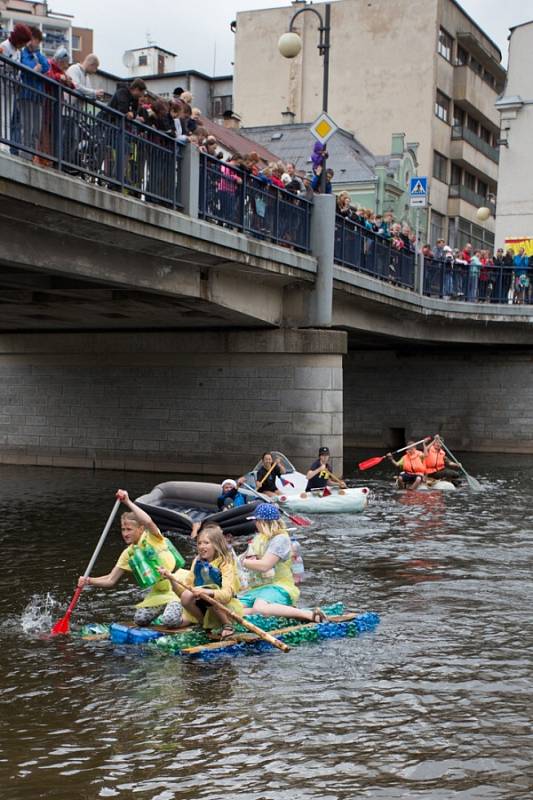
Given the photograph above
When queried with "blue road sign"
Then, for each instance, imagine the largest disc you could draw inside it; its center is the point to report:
(418, 191)
(418, 187)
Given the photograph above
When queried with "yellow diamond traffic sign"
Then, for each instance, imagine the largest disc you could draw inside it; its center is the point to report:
(323, 128)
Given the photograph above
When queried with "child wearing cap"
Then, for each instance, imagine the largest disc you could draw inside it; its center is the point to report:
(230, 497)
(272, 590)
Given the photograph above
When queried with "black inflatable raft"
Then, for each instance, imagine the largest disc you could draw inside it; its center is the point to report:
(175, 505)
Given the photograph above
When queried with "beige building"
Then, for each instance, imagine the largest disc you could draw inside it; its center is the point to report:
(419, 65)
(515, 193)
(58, 29)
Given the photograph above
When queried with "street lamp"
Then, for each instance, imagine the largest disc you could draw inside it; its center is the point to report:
(290, 44)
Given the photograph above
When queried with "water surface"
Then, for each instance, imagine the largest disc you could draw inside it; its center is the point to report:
(434, 705)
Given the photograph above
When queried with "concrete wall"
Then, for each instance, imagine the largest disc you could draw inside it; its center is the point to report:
(480, 401)
(184, 403)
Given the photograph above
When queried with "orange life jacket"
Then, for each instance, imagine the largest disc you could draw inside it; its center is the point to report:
(414, 464)
(435, 460)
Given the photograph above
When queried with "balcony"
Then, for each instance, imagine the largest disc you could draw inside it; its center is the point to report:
(474, 95)
(460, 132)
(469, 196)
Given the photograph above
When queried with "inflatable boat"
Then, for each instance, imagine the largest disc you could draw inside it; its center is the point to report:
(176, 505)
(335, 501)
(294, 496)
(434, 486)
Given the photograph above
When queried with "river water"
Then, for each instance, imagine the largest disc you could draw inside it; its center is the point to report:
(435, 704)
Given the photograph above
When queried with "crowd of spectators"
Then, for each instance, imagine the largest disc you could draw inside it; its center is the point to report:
(466, 273)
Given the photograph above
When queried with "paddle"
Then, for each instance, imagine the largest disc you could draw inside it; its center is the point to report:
(265, 476)
(304, 522)
(63, 625)
(373, 462)
(241, 620)
(472, 482)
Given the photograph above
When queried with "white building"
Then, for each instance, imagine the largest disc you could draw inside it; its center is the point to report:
(149, 60)
(515, 186)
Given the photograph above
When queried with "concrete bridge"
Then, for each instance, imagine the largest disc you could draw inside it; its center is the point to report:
(135, 336)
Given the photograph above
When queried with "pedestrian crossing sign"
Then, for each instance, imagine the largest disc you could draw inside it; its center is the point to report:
(418, 191)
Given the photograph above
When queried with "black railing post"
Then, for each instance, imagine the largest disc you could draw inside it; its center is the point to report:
(121, 151)
(58, 115)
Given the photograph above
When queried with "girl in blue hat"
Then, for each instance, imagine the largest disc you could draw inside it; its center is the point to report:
(272, 591)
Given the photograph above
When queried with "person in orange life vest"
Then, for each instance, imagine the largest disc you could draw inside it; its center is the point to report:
(438, 466)
(412, 465)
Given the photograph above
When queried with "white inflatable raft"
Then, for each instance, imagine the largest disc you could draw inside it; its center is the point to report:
(339, 501)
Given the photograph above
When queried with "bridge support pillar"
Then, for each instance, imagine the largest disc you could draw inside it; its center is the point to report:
(187, 403)
(320, 311)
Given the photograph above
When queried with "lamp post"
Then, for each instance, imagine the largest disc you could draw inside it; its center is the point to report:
(290, 44)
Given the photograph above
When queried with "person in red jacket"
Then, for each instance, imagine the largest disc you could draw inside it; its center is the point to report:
(438, 465)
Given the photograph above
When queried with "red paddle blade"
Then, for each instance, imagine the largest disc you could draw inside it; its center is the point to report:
(62, 626)
(371, 462)
(303, 521)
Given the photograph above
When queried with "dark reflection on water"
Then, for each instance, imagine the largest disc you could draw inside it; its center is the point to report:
(434, 705)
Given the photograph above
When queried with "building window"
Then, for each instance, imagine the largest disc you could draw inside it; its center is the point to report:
(482, 188)
(442, 106)
(143, 61)
(222, 104)
(473, 125)
(458, 116)
(457, 174)
(462, 56)
(476, 66)
(440, 167)
(485, 134)
(436, 228)
(76, 42)
(480, 237)
(470, 181)
(490, 79)
(445, 45)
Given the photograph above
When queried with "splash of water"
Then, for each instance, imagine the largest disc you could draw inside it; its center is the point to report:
(40, 613)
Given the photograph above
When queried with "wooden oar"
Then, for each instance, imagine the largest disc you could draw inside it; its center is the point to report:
(472, 482)
(373, 462)
(63, 625)
(263, 479)
(241, 620)
(303, 522)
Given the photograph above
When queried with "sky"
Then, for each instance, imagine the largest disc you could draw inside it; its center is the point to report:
(200, 32)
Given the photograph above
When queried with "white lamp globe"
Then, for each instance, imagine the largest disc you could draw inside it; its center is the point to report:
(483, 214)
(289, 44)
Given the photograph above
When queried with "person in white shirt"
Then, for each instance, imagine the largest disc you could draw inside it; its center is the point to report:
(80, 74)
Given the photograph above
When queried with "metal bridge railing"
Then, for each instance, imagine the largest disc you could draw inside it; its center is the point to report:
(365, 251)
(43, 121)
(232, 197)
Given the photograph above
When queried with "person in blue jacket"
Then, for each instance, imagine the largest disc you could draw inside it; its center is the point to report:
(32, 98)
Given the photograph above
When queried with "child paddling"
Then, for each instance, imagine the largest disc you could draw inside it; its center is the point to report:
(146, 550)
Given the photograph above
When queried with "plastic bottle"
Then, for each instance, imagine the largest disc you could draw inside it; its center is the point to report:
(144, 569)
(297, 565)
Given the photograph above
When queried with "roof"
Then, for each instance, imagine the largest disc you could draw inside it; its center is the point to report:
(350, 160)
(521, 25)
(178, 74)
(236, 142)
(150, 47)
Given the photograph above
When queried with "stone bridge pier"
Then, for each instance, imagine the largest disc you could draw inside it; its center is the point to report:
(185, 403)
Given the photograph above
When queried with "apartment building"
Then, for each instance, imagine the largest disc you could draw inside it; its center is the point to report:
(58, 29)
(419, 65)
